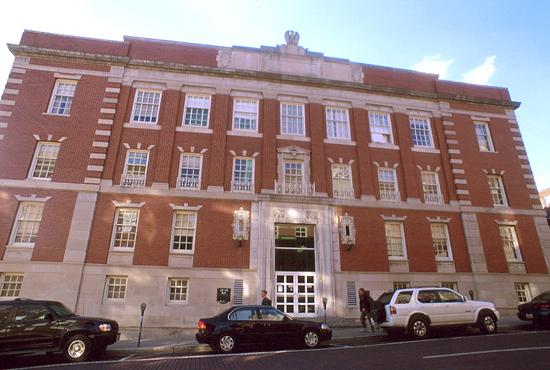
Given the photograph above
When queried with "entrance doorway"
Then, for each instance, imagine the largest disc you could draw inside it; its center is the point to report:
(295, 292)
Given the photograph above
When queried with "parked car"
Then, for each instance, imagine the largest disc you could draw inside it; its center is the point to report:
(415, 311)
(33, 326)
(537, 310)
(245, 325)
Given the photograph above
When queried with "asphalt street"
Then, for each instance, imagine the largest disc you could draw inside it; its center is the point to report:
(516, 350)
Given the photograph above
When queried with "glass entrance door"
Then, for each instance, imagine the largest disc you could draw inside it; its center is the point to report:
(295, 269)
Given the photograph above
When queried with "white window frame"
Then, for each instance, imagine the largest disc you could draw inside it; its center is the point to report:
(106, 293)
(169, 287)
(346, 124)
(300, 231)
(16, 290)
(303, 134)
(132, 120)
(523, 288)
(448, 242)
(235, 113)
(373, 114)
(35, 159)
(252, 188)
(437, 184)
(430, 134)
(515, 242)
(396, 182)
(117, 212)
(490, 143)
(54, 94)
(173, 232)
(403, 242)
(187, 97)
(128, 157)
(200, 169)
(350, 188)
(501, 190)
(16, 224)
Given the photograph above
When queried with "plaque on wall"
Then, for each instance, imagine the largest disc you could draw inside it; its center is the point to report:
(223, 295)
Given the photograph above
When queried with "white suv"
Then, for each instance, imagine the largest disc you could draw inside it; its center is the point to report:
(415, 310)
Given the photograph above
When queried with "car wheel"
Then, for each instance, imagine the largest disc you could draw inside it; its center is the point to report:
(311, 339)
(418, 327)
(487, 323)
(77, 348)
(226, 343)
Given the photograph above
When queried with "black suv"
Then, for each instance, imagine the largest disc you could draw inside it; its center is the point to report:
(32, 326)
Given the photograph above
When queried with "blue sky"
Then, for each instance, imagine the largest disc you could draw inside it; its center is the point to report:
(500, 43)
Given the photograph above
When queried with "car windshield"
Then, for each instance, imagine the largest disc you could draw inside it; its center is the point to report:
(385, 297)
(60, 309)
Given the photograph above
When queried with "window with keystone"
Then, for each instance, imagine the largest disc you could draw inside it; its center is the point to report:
(510, 242)
(395, 240)
(243, 174)
(441, 241)
(190, 171)
(183, 231)
(387, 184)
(496, 186)
(45, 158)
(125, 228)
(430, 187)
(342, 185)
(27, 222)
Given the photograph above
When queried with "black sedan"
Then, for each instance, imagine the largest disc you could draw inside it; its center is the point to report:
(242, 325)
(537, 311)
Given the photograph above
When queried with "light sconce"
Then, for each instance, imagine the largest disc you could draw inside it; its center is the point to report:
(347, 231)
(241, 225)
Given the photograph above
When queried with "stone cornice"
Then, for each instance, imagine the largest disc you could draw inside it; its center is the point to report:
(24, 50)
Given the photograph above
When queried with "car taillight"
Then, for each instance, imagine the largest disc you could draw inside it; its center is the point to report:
(545, 306)
(201, 325)
(393, 310)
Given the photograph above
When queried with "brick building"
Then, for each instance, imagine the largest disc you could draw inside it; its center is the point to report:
(158, 171)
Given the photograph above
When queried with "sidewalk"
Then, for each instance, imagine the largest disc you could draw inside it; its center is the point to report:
(177, 340)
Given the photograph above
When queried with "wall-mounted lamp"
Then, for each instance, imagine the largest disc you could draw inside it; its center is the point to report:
(241, 225)
(347, 231)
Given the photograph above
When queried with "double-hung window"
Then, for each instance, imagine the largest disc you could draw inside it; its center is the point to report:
(342, 185)
(190, 171)
(245, 114)
(27, 222)
(387, 183)
(523, 292)
(292, 119)
(62, 97)
(10, 285)
(125, 228)
(510, 243)
(337, 123)
(496, 186)
(380, 128)
(135, 170)
(243, 174)
(421, 132)
(177, 290)
(430, 187)
(441, 241)
(146, 106)
(484, 139)
(115, 287)
(395, 240)
(184, 226)
(44, 160)
(197, 110)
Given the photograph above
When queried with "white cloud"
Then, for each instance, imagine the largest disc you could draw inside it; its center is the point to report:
(434, 64)
(542, 180)
(481, 74)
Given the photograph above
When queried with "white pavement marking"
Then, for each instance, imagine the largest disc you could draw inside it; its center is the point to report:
(127, 357)
(483, 352)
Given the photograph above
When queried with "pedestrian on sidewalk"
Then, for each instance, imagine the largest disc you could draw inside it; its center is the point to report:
(265, 301)
(365, 305)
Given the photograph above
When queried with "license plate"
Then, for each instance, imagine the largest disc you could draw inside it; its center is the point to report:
(528, 315)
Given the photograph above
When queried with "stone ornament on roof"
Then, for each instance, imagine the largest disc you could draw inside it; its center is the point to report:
(292, 37)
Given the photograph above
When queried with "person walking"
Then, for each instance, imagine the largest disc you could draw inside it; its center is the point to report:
(265, 301)
(365, 305)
